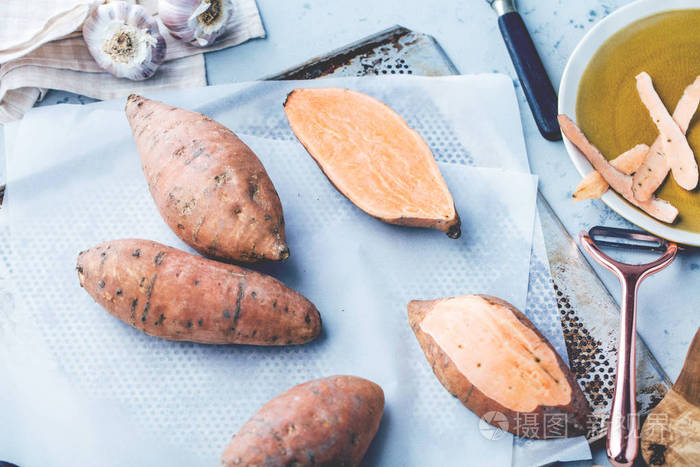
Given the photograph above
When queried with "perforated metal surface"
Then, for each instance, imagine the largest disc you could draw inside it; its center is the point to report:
(395, 51)
(594, 372)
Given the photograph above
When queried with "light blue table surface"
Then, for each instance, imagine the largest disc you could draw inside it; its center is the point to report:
(467, 30)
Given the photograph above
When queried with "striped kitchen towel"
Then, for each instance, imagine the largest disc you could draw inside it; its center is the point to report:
(41, 48)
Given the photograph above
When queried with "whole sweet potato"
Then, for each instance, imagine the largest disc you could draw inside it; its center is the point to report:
(210, 188)
(175, 295)
(329, 421)
(492, 358)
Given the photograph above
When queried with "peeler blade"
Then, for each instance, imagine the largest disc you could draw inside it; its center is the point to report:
(631, 239)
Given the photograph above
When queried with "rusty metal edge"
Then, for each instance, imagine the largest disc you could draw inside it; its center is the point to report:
(323, 65)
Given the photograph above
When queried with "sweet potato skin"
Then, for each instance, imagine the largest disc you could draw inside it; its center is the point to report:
(621, 183)
(595, 186)
(459, 386)
(174, 295)
(325, 422)
(210, 188)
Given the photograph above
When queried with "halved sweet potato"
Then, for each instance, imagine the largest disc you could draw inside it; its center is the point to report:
(492, 358)
(373, 157)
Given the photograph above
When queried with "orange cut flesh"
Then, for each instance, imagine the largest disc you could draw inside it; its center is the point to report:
(497, 353)
(373, 157)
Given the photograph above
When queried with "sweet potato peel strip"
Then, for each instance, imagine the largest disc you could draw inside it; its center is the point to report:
(620, 182)
(651, 174)
(678, 154)
(594, 186)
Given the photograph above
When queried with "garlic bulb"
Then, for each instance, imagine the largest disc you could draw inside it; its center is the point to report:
(198, 22)
(124, 40)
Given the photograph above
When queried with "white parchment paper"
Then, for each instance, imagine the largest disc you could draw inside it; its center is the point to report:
(144, 401)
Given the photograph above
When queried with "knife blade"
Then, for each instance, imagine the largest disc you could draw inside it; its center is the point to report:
(533, 78)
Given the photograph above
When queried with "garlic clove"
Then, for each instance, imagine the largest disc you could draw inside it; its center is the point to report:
(199, 22)
(124, 40)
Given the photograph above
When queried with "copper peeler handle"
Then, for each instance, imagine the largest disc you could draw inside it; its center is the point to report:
(623, 436)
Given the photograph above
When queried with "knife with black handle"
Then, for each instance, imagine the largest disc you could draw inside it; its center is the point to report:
(533, 78)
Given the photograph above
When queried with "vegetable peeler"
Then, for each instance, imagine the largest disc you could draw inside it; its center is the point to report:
(623, 436)
(533, 77)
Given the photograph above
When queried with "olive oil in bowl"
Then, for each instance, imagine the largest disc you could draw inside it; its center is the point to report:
(608, 108)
